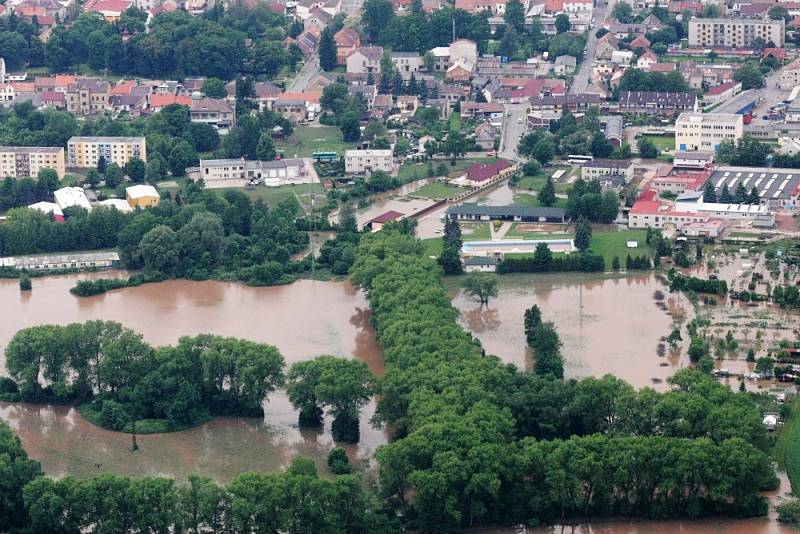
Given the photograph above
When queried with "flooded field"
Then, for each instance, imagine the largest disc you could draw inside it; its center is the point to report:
(289, 317)
(607, 323)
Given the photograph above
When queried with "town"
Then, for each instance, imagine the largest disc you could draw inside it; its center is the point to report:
(373, 266)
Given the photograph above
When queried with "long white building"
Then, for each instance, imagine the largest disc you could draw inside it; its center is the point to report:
(367, 161)
(735, 33)
(85, 152)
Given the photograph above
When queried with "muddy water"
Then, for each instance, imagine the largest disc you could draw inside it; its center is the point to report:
(303, 320)
(608, 324)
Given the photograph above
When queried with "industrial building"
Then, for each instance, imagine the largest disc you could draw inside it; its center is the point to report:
(85, 152)
(77, 260)
(777, 188)
(142, 196)
(68, 197)
(27, 161)
(271, 173)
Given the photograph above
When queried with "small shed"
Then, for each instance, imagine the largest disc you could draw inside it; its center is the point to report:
(376, 224)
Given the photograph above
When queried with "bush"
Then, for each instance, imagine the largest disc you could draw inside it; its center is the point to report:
(113, 415)
(338, 462)
(789, 512)
(584, 262)
(25, 283)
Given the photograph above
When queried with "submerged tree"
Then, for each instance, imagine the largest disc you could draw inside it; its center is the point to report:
(481, 285)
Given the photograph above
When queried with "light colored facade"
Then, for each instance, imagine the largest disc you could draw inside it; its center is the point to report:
(598, 168)
(142, 196)
(463, 49)
(84, 152)
(367, 161)
(790, 76)
(407, 63)
(88, 97)
(705, 131)
(272, 173)
(27, 161)
(77, 260)
(365, 60)
(736, 33)
(219, 113)
(68, 197)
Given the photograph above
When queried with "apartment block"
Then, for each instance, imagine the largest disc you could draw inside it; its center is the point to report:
(27, 161)
(85, 152)
(367, 161)
(735, 33)
(705, 131)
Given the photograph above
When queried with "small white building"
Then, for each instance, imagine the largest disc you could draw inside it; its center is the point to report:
(622, 57)
(117, 203)
(67, 197)
(480, 264)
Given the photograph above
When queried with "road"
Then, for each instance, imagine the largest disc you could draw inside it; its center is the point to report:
(513, 128)
(581, 81)
(309, 70)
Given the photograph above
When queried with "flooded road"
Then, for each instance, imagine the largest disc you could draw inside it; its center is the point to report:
(607, 323)
(290, 317)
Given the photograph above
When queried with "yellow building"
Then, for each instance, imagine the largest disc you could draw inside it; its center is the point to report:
(84, 152)
(142, 196)
(27, 161)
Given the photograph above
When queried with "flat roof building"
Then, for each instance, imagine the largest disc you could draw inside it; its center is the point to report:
(68, 197)
(85, 152)
(27, 161)
(368, 161)
(77, 260)
(271, 173)
(142, 196)
(777, 188)
(705, 131)
(735, 33)
(479, 212)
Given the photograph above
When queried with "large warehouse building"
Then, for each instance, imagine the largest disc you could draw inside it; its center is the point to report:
(777, 188)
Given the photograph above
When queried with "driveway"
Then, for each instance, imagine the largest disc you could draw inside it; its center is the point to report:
(309, 70)
(581, 81)
(514, 126)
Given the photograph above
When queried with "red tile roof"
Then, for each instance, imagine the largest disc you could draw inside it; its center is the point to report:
(390, 215)
(480, 172)
(160, 101)
(721, 88)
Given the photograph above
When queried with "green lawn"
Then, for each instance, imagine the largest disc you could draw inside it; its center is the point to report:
(476, 231)
(455, 121)
(305, 140)
(273, 196)
(534, 183)
(610, 244)
(528, 199)
(787, 449)
(407, 170)
(439, 190)
(663, 142)
(433, 246)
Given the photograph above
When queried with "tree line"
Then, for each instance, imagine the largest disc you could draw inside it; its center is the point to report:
(294, 501)
(543, 261)
(199, 234)
(680, 282)
(465, 423)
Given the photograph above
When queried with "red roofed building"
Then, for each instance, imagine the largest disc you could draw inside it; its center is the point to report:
(777, 53)
(377, 223)
(123, 87)
(655, 214)
(347, 41)
(110, 9)
(159, 102)
(479, 173)
(54, 99)
(639, 42)
(678, 182)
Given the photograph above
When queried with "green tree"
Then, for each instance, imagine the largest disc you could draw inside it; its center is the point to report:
(265, 150)
(327, 50)
(709, 193)
(450, 258)
(181, 155)
(623, 12)
(562, 23)
(779, 12)
(114, 175)
(583, 234)
(18, 472)
(25, 283)
(547, 196)
(647, 149)
(749, 76)
(159, 250)
(214, 88)
(136, 169)
(615, 263)
(351, 130)
(338, 462)
(544, 151)
(482, 286)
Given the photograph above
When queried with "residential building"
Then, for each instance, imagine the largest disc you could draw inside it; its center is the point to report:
(84, 152)
(88, 96)
(512, 213)
(656, 102)
(441, 56)
(705, 131)
(735, 33)
(597, 168)
(564, 65)
(606, 46)
(365, 59)
(407, 63)
(368, 161)
(479, 174)
(574, 103)
(219, 113)
(317, 18)
(27, 161)
(68, 197)
(485, 135)
(790, 76)
(142, 196)
(347, 41)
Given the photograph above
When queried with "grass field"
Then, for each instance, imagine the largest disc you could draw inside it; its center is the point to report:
(305, 140)
(407, 170)
(663, 142)
(476, 231)
(787, 449)
(610, 244)
(433, 246)
(528, 199)
(438, 190)
(273, 196)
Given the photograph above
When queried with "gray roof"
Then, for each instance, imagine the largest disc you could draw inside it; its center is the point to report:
(479, 260)
(771, 183)
(612, 126)
(506, 211)
(609, 164)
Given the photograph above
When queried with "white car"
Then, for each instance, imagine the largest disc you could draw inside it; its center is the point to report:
(519, 121)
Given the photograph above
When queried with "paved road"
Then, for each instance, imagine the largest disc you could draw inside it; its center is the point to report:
(580, 84)
(513, 128)
(309, 70)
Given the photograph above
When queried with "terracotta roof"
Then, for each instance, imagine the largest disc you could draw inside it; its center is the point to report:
(390, 215)
(24, 87)
(108, 6)
(721, 88)
(639, 42)
(777, 53)
(480, 172)
(123, 87)
(346, 37)
(63, 80)
(160, 101)
(662, 67)
(53, 96)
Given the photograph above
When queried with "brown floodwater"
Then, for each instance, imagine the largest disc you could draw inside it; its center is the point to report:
(302, 320)
(607, 323)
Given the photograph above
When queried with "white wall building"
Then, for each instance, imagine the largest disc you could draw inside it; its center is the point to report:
(705, 131)
(736, 33)
(67, 197)
(367, 161)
